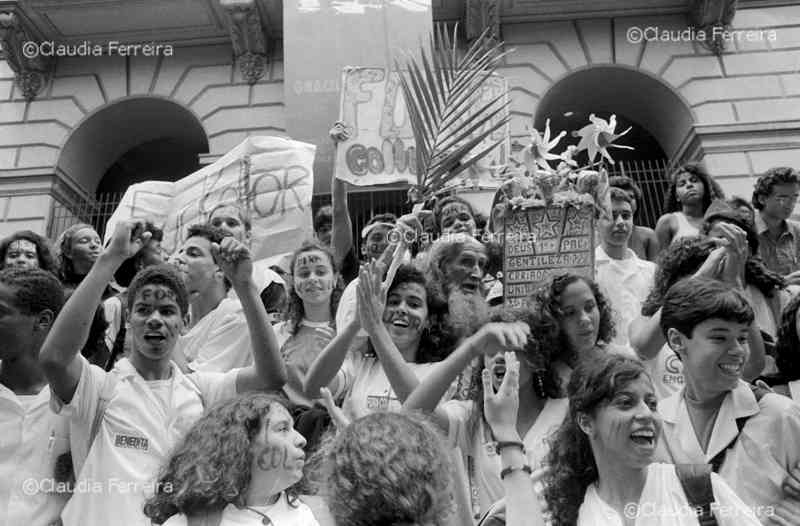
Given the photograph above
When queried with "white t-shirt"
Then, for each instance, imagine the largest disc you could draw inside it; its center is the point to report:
(348, 308)
(482, 463)
(626, 283)
(664, 503)
(666, 370)
(136, 435)
(32, 438)
(281, 514)
(299, 352)
(220, 341)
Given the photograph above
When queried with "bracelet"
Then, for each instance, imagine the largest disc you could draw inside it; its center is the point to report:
(499, 446)
(526, 468)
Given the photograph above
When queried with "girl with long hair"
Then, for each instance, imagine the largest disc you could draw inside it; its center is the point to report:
(77, 248)
(786, 380)
(238, 465)
(690, 193)
(310, 314)
(27, 249)
(600, 465)
(464, 422)
(405, 323)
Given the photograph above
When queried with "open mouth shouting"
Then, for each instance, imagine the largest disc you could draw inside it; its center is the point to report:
(471, 286)
(154, 338)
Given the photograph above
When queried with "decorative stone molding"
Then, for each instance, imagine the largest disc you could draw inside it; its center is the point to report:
(21, 51)
(482, 14)
(705, 15)
(248, 38)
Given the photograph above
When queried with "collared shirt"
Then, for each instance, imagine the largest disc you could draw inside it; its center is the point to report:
(219, 341)
(626, 283)
(780, 255)
(141, 424)
(32, 438)
(764, 453)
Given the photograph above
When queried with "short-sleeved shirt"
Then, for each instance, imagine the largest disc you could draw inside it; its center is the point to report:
(220, 341)
(32, 438)
(280, 514)
(764, 453)
(781, 255)
(481, 461)
(143, 421)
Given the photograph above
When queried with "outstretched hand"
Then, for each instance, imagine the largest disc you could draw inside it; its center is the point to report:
(233, 257)
(128, 238)
(338, 417)
(371, 295)
(501, 408)
(340, 132)
(501, 336)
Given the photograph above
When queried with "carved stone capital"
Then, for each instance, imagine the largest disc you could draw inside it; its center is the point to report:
(480, 15)
(706, 15)
(21, 51)
(248, 38)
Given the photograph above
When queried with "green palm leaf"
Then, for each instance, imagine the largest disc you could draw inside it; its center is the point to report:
(441, 91)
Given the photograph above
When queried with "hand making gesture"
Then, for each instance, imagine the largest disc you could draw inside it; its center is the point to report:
(234, 259)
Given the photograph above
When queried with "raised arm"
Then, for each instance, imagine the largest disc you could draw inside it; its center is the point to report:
(342, 228)
(645, 336)
(268, 371)
(59, 353)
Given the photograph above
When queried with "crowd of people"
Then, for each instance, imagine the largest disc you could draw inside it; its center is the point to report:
(393, 386)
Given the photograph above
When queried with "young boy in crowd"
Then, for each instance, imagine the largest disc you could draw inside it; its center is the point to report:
(624, 278)
(774, 197)
(34, 439)
(132, 417)
(749, 438)
(643, 240)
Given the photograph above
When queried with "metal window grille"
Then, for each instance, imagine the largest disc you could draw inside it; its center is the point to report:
(652, 178)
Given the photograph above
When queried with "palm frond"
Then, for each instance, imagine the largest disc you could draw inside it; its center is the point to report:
(449, 123)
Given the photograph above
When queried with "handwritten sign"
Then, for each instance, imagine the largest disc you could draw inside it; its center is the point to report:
(269, 179)
(381, 146)
(543, 242)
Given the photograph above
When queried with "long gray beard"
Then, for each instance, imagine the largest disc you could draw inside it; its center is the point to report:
(467, 312)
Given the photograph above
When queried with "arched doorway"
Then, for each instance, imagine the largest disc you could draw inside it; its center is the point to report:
(659, 118)
(129, 141)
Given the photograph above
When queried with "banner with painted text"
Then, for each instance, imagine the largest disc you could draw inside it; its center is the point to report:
(269, 179)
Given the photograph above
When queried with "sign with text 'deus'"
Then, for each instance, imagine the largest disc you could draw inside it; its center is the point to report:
(544, 242)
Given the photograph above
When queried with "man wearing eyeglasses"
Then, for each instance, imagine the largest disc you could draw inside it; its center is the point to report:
(774, 197)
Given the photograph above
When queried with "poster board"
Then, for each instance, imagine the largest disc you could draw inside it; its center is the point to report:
(544, 242)
(321, 37)
(270, 179)
(381, 148)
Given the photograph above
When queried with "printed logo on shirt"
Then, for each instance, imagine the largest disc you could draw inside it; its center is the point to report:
(673, 364)
(379, 402)
(132, 442)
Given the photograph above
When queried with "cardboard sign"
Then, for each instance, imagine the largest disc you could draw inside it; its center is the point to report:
(381, 146)
(270, 179)
(322, 37)
(544, 242)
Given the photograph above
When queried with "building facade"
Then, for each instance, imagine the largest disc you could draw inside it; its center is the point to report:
(78, 125)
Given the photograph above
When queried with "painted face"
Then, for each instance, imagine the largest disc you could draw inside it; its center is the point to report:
(689, 188)
(466, 271)
(456, 218)
(496, 364)
(714, 356)
(781, 201)
(21, 253)
(627, 428)
(313, 277)
(406, 313)
(16, 327)
(376, 242)
(85, 249)
(155, 322)
(278, 450)
(196, 264)
(227, 219)
(580, 317)
(617, 230)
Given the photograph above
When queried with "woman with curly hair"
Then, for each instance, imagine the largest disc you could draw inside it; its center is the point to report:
(576, 322)
(464, 422)
(237, 465)
(726, 254)
(787, 353)
(690, 193)
(600, 465)
(310, 314)
(27, 249)
(405, 324)
(389, 469)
